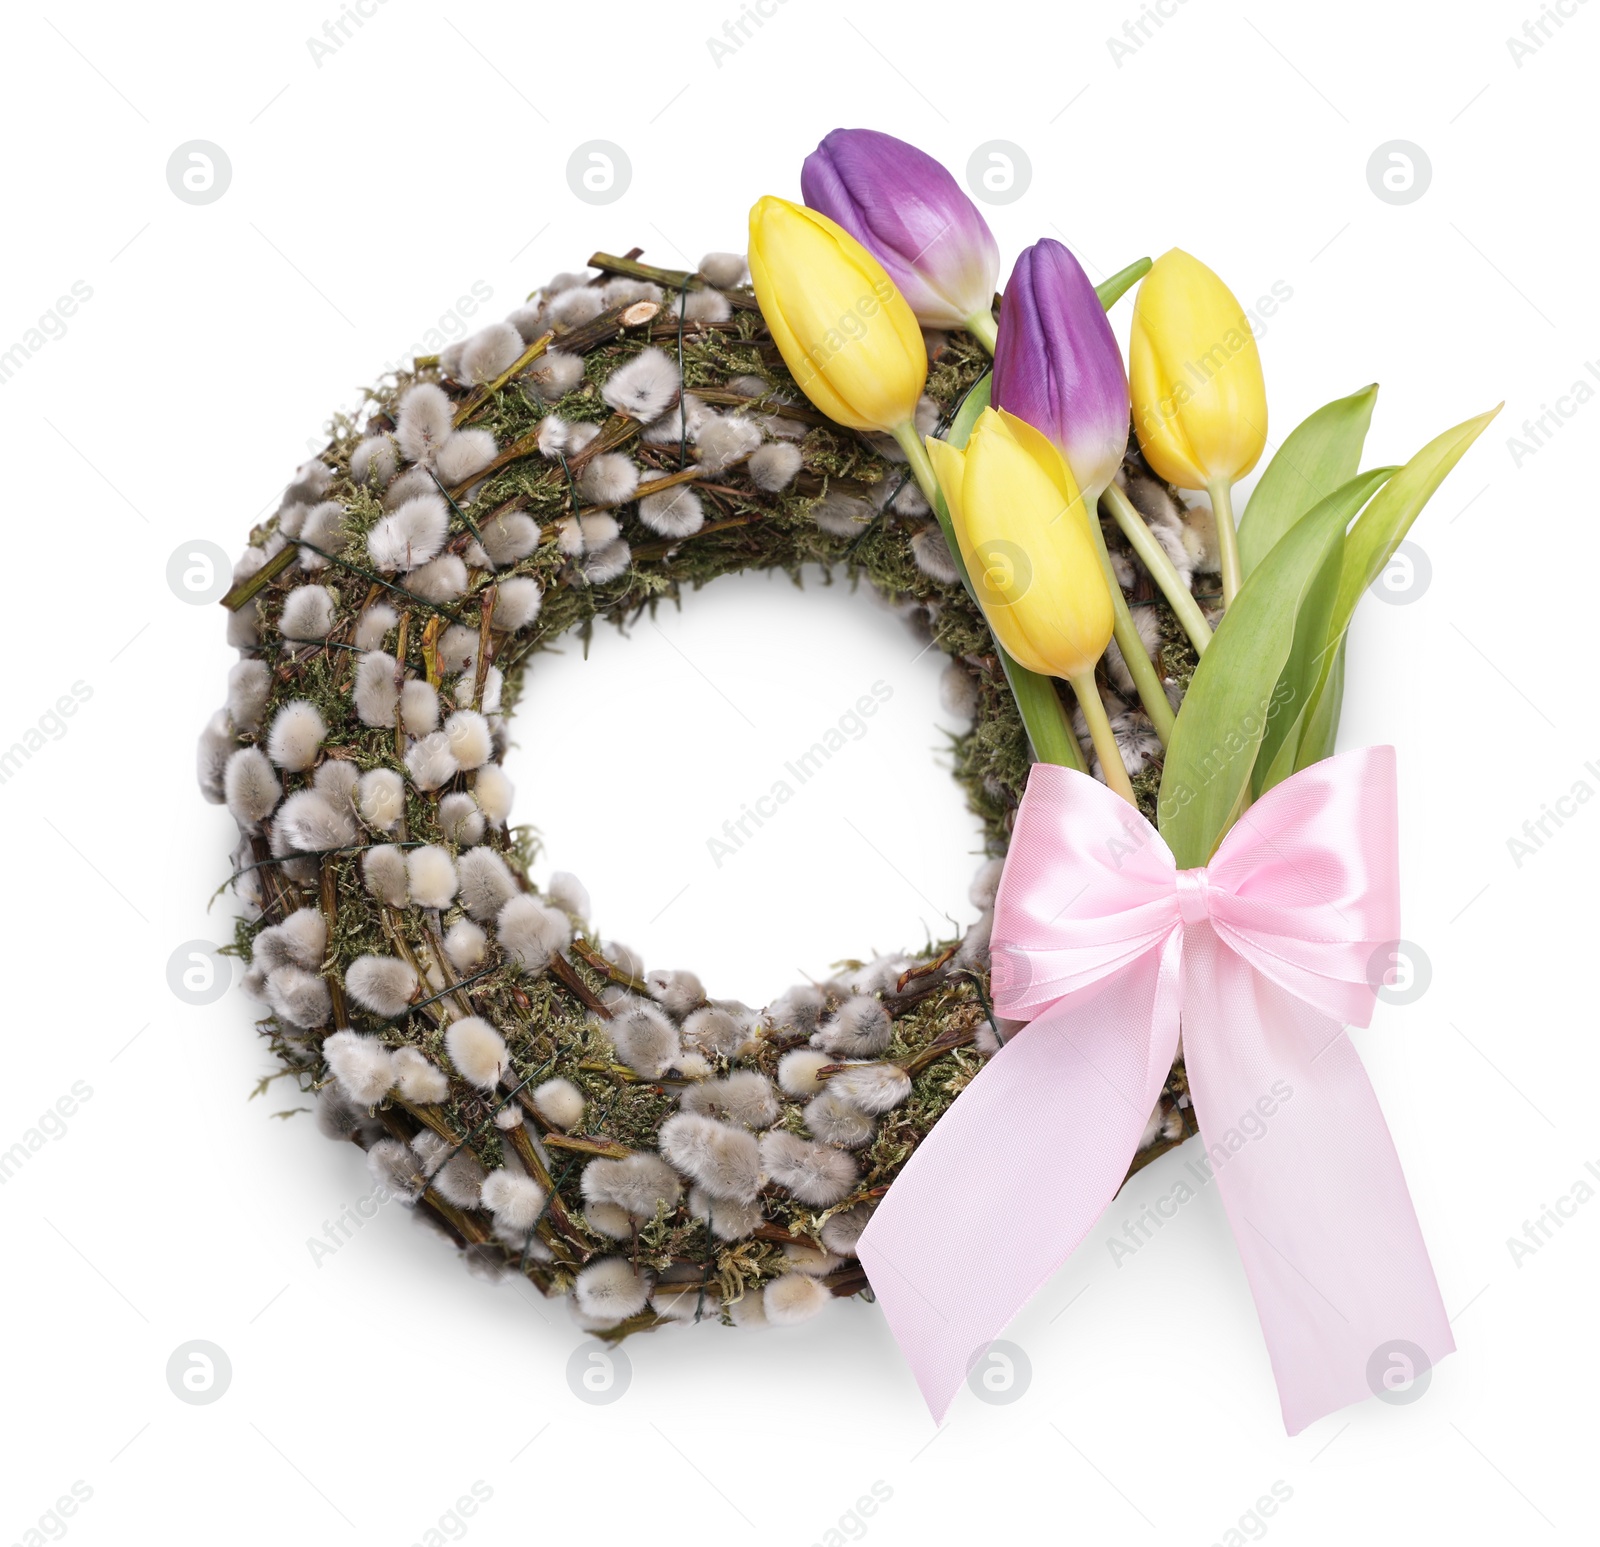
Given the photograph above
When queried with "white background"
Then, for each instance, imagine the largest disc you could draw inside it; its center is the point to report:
(368, 193)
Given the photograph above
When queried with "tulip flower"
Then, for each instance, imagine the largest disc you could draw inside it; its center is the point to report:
(844, 331)
(1057, 366)
(1023, 530)
(1199, 403)
(912, 215)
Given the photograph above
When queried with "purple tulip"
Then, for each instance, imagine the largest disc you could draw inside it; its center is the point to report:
(1057, 365)
(912, 216)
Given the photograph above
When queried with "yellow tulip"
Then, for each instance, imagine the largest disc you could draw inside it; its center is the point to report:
(1199, 403)
(1023, 530)
(846, 334)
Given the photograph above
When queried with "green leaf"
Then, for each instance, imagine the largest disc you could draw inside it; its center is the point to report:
(1112, 290)
(1302, 672)
(1374, 538)
(1233, 697)
(1369, 547)
(1320, 456)
(973, 404)
(1322, 723)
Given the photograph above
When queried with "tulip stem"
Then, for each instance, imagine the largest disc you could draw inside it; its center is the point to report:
(1044, 716)
(982, 326)
(1140, 667)
(1104, 738)
(910, 442)
(1161, 568)
(1227, 538)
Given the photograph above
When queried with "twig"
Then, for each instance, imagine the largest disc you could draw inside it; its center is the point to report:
(263, 577)
(403, 946)
(490, 595)
(771, 1232)
(431, 667)
(475, 399)
(629, 268)
(801, 413)
(848, 1280)
(401, 649)
(330, 913)
(923, 969)
(617, 431)
(602, 329)
(522, 1143)
(562, 969)
(576, 1144)
(945, 1042)
(453, 986)
(734, 325)
(671, 279)
(467, 1228)
(274, 881)
(592, 958)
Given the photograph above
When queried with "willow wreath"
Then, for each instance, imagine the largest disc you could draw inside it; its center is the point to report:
(557, 1107)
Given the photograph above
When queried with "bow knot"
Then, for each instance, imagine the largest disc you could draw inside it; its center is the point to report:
(1095, 947)
(1194, 906)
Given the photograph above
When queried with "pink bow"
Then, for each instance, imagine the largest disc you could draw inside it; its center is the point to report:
(1101, 943)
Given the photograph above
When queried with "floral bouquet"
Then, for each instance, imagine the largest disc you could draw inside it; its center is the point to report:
(1257, 918)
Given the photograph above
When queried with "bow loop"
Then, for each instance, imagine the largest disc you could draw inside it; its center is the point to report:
(1087, 890)
(1306, 885)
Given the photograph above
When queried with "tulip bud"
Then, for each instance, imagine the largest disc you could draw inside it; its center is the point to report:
(1199, 403)
(1022, 527)
(844, 331)
(1057, 365)
(911, 214)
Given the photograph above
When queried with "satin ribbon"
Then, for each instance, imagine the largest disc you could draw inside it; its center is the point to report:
(1104, 946)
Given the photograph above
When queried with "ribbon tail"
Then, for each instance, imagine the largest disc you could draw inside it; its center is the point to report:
(1308, 1173)
(1015, 1174)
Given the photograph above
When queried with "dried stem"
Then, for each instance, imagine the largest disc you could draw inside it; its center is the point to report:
(330, 913)
(276, 903)
(561, 968)
(481, 676)
(925, 969)
(475, 399)
(528, 1154)
(431, 668)
(617, 431)
(252, 585)
(671, 279)
(402, 645)
(592, 958)
(575, 1144)
(801, 413)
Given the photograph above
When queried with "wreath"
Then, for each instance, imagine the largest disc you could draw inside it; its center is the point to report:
(556, 1104)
